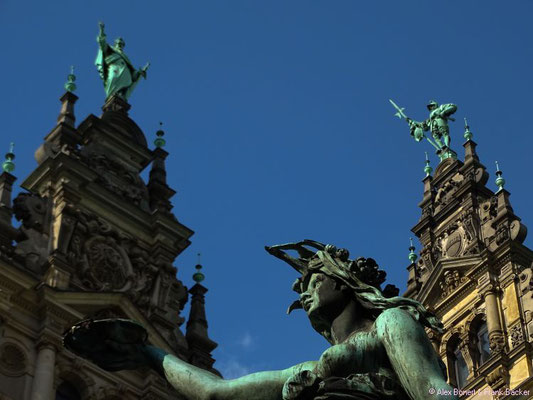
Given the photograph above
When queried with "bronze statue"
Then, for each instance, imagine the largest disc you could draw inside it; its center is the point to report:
(115, 68)
(379, 348)
(436, 123)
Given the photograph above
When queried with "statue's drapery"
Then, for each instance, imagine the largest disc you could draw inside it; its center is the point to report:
(116, 71)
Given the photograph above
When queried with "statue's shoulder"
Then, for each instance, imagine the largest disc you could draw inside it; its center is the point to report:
(394, 320)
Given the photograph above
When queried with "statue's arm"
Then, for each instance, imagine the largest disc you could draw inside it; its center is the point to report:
(198, 384)
(412, 356)
(101, 38)
(447, 109)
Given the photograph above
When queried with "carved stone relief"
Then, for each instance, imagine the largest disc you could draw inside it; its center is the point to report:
(13, 360)
(451, 280)
(526, 298)
(516, 335)
(117, 177)
(496, 342)
(446, 192)
(107, 265)
(32, 246)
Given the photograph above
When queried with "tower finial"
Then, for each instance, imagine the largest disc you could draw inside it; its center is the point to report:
(70, 86)
(412, 255)
(198, 276)
(427, 169)
(500, 182)
(468, 134)
(8, 165)
(159, 141)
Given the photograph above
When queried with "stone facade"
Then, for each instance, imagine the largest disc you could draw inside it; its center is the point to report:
(94, 241)
(476, 275)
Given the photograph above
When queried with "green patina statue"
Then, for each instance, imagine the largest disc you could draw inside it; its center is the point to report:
(115, 68)
(379, 348)
(437, 124)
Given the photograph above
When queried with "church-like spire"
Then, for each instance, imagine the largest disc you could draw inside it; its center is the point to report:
(200, 345)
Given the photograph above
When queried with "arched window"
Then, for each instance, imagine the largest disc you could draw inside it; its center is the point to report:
(483, 347)
(67, 391)
(459, 366)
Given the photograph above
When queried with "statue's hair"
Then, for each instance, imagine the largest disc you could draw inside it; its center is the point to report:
(370, 296)
(362, 276)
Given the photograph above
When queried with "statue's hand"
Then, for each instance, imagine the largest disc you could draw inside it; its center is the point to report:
(115, 356)
(112, 344)
(301, 386)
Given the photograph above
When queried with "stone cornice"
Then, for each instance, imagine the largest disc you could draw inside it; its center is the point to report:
(15, 279)
(454, 298)
(464, 264)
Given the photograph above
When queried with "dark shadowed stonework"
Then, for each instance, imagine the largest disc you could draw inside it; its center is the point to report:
(95, 241)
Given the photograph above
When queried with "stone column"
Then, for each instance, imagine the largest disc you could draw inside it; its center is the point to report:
(494, 325)
(466, 352)
(43, 377)
(435, 339)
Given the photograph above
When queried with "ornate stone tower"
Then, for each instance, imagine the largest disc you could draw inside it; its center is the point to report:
(95, 241)
(475, 274)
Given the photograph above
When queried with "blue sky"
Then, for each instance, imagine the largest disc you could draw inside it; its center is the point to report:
(279, 127)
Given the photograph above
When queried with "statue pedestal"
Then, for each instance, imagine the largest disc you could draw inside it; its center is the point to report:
(445, 152)
(116, 103)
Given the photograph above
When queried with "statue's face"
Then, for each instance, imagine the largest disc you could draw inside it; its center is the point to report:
(119, 43)
(322, 298)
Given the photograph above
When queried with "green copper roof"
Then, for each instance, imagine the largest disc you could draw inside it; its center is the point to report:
(468, 134)
(198, 276)
(427, 169)
(70, 86)
(159, 141)
(412, 255)
(8, 165)
(500, 182)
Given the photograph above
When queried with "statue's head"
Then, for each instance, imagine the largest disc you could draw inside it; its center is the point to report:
(120, 43)
(329, 280)
(432, 104)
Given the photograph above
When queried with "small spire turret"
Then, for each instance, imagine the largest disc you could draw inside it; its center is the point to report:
(66, 116)
(198, 276)
(70, 86)
(200, 345)
(468, 135)
(7, 232)
(500, 182)
(412, 255)
(159, 141)
(160, 192)
(8, 165)
(427, 169)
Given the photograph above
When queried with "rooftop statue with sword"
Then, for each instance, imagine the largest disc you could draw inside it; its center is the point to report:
(437, 124)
